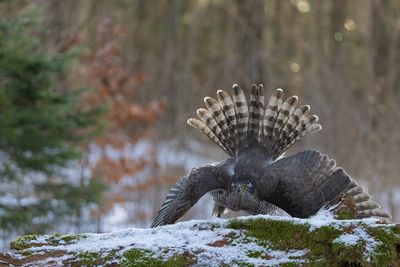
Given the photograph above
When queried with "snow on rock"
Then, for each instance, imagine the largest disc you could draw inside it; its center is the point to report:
(358, 236)
(261, 240)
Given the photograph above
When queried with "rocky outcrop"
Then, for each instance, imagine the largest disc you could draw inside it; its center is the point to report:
(245, 241)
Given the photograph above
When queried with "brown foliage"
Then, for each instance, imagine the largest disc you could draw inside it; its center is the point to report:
(127, 122)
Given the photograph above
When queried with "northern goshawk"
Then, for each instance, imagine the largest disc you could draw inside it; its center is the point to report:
(256, 178)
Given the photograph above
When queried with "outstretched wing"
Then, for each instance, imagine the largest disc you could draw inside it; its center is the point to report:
(189, 189)
(301, 184)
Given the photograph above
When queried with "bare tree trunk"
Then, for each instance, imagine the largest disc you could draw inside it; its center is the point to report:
(379, 44)
(251, 47)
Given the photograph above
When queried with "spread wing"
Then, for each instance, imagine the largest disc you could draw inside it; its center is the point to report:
(189, 189)
(301, 184)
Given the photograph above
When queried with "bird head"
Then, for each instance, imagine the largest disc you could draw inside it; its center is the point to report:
(243, 187)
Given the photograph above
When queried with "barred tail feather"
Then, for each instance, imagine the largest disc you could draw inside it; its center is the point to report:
(212, 124)
(306, 125)
(229, 111)
(256, 110)
(284, 124)
(298, 114)
(242, 112)
(202, 127)
(233, 124)
(284, 113)
(262, 112)
(218, 114)
(271, 113)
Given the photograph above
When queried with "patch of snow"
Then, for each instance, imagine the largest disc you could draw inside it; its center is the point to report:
(323, 217)
(348, 239)
(359, 237)
(293, 256)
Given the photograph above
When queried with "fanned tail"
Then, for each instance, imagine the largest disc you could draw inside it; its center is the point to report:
(233, 124)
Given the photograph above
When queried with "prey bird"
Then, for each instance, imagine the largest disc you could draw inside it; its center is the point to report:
(256, 178)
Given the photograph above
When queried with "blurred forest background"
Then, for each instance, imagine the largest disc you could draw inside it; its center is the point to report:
(94, 97)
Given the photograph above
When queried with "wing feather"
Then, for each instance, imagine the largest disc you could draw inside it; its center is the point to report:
(189, 189)
(301, 184)
(364, 205)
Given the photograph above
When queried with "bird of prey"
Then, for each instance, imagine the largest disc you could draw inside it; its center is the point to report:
(256, 178)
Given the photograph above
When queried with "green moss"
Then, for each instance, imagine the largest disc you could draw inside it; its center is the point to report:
(26, 253)
(254, 254)
(144, 257)
(320, 241)
(22, 242)
(346, 210)
(56, 238)
(345, 214)
(140, 258)
(110, 256)
(72, 237)
(346, 254)
(277, 234)
(89, 258)
(284, 235)
(97, 258)
(388, 249)
(176, 260)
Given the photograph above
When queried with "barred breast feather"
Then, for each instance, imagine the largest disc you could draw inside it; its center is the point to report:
(233, 123)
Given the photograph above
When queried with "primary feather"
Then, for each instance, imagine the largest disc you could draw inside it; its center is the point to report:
(364, 205)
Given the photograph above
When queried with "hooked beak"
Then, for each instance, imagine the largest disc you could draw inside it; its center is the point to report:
(236, 188)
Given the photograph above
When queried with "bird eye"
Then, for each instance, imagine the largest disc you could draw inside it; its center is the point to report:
(245, 188)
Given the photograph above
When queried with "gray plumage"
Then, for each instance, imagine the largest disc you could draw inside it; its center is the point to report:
(255, 178)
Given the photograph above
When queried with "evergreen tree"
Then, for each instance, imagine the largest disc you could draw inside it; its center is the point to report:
(41, 127)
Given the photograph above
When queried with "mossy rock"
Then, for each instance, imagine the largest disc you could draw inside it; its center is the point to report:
(254, 240)
(23, 242)
(322, 243)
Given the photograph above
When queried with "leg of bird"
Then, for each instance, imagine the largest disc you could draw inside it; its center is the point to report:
(217, 210)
